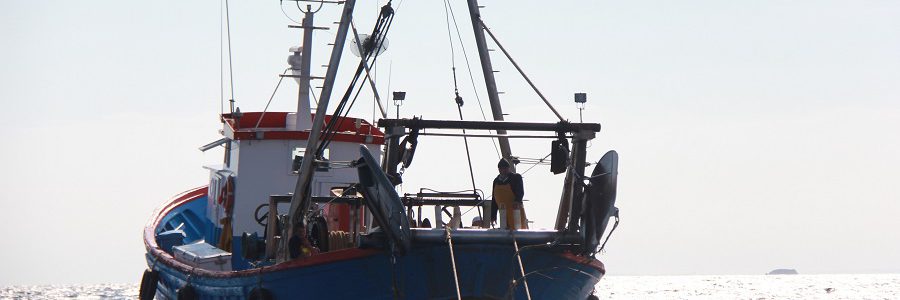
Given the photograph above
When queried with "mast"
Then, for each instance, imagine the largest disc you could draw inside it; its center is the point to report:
(488, 72)
(300, 200)
(303, 120)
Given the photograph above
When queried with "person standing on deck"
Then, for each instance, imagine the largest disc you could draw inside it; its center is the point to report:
(508, 193)
(299, 245)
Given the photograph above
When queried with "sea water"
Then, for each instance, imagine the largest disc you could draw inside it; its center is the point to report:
(845, 286)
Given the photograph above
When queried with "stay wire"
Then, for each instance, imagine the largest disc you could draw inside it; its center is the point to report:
(280, 79)
(378, 35)
(281, 4)
(462, 47)
(536, 163)
(221, 63)
(230, 64)
(459, 100)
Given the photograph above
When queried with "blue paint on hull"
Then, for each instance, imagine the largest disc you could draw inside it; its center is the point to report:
(485, 271)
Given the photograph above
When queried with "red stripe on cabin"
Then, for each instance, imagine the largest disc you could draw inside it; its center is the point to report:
(245, 128)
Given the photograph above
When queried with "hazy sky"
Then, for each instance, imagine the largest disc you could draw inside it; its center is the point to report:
(753, 135)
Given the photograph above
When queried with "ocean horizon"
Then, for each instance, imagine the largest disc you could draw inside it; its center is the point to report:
(819, 286)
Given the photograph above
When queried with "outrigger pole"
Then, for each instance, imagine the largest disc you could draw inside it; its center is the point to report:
(489, 82)
(300, 201)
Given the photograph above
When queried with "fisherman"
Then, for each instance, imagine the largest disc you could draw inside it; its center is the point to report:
(508, 192)
(299, 244)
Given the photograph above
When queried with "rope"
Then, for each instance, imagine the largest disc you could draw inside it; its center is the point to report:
(462, 46)
(453, 260)
(521, 266)
(459, 100)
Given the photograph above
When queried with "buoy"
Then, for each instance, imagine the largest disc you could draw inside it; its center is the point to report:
(148, 285)
(259, 293)
(187, 293)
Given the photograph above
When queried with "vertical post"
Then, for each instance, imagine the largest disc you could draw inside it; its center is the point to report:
(579, 143)
(488, 72)
(300, 201)
(272, 220)
(392, 150)
(302, 118)
(565, 202)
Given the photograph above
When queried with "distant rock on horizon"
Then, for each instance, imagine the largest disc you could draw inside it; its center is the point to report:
(783, 272)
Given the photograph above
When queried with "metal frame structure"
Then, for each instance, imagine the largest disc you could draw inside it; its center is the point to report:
(570, 206)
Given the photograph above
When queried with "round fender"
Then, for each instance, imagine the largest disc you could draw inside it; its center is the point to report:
(148, 285)
(593, 297)
(187, 293)
(259, 293)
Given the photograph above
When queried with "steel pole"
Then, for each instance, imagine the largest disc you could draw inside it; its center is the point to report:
(305, 65)
(300, 200)
(489, 82)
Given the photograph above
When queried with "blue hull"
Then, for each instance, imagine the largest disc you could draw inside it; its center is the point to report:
(485, 271)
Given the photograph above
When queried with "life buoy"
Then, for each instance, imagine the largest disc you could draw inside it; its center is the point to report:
(148, 285)
(259, 293)
(187, 293)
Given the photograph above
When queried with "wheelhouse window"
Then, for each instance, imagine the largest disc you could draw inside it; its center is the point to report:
(297, 160)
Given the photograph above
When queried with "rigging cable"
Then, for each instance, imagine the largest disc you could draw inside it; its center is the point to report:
(459, 99)
(281, 4)
(462, 46)
(376, 39)
(280, 78)
(221, 68)
(536, 163)
(521, 72)
(230, 64)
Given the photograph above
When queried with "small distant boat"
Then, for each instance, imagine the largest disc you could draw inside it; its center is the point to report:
(335, 176)
(783, 272)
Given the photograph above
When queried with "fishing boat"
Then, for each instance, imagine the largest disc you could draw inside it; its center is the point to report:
(306, 205)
